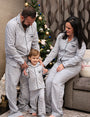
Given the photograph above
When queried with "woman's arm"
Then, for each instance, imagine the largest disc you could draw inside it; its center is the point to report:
(54, 51)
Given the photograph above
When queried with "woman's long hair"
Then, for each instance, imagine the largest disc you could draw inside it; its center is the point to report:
(78, 32)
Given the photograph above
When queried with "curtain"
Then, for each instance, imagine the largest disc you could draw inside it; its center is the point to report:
(57, 11)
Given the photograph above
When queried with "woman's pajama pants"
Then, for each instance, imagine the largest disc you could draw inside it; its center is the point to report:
(55, 83)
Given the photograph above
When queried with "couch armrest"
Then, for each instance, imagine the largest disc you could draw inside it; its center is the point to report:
(69, 91)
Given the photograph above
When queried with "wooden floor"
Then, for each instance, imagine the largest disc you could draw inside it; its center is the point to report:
(67, 113)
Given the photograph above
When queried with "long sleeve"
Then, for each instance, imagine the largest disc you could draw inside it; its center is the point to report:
(35, 41)
(54, 51)
(77, 58)
(52, 54)
(10, 48)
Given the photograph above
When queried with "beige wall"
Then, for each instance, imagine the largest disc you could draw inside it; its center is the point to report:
(8, 10)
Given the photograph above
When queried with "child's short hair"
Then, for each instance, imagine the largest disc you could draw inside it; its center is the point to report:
(34, 52)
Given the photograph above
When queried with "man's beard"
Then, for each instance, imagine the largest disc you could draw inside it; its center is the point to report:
(24, 25)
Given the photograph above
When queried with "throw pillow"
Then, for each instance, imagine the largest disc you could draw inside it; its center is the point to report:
(85, 71)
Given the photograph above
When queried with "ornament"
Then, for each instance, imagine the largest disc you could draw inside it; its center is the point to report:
(43, 42)
(51, 47)
(45, 26)
(42, 46)
(53, 62)
(50, 63)
(54, 59)
(48, 28)
(49, 36)
(36, 14)
(26, 4)
(47, 33)
(39, 41)
(41, 49)
(39, 5)
(41, 29)
(48, 50)
(40, 18)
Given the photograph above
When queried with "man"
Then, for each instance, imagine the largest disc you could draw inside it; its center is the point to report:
(21, 35)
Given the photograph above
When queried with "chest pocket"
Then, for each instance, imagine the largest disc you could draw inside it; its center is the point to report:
(39, 71)
(30, 37)
(72, 47)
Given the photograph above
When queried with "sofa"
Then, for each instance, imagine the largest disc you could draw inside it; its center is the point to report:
(77, 90)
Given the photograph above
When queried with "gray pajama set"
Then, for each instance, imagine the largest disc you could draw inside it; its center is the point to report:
(36, 88)
(70, 56)
(18, 43)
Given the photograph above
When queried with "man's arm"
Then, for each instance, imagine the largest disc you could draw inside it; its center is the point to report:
(10, 49)
(35, 43)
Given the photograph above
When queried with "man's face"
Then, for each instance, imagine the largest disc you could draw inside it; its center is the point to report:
(27, 21)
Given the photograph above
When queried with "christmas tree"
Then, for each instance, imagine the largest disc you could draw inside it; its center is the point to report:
(45, 41)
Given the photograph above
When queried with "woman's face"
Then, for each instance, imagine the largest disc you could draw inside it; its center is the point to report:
(69, 29)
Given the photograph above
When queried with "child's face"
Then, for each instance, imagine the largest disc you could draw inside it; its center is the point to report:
(34, 59)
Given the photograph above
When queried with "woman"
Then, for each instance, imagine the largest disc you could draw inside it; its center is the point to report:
(69, 50)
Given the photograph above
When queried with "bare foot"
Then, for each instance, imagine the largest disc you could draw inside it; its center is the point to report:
(51, 116)
(34, 114)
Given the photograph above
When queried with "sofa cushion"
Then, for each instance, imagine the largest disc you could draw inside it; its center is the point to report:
(82, 83)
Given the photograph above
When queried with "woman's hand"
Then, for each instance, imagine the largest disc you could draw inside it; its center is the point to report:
(60, 67)
(45, 71)
(41, 63)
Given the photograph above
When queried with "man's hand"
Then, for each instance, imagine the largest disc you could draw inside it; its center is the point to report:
(25, 73)
(60, 67)
(24, 66)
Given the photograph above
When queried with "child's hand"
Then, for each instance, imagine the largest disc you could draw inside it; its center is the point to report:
(25, 73)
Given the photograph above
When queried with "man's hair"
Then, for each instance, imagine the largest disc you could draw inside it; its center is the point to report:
(34, 52)
(28, 11)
